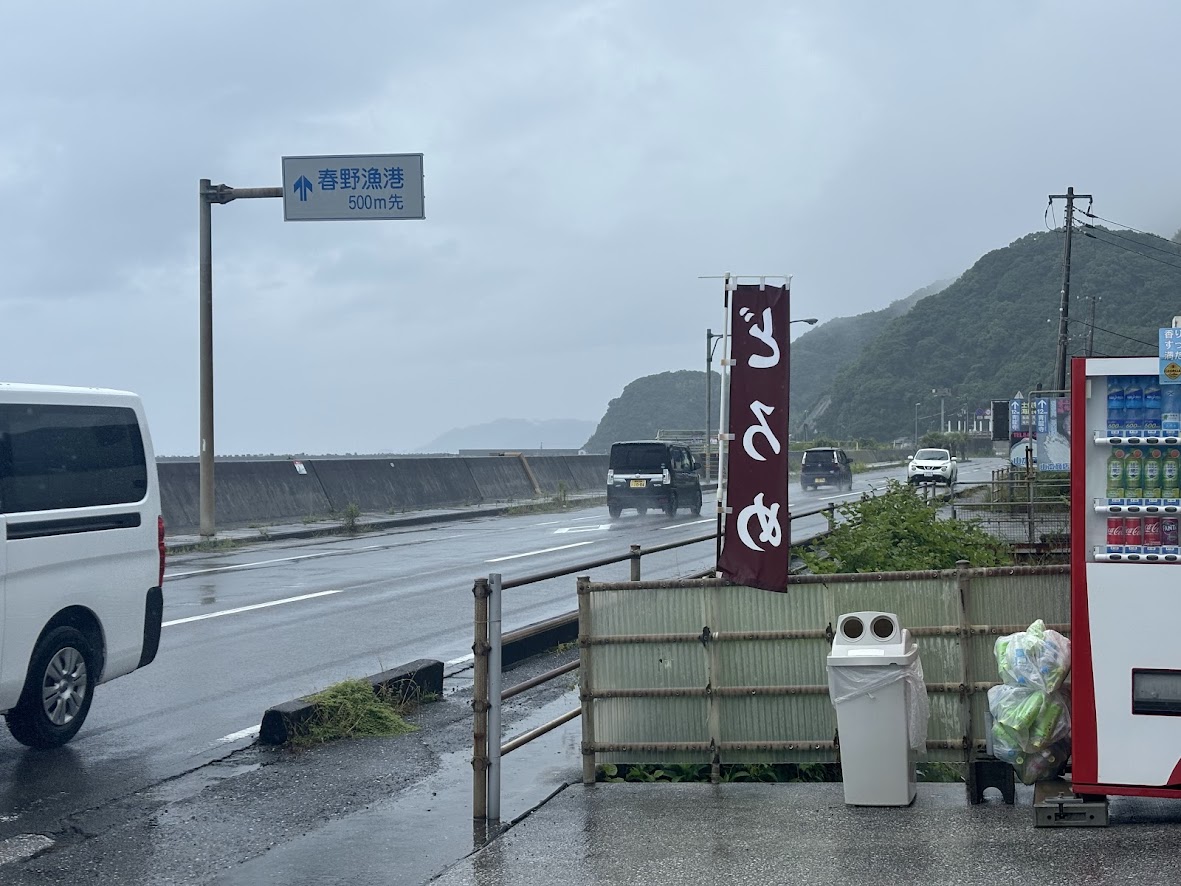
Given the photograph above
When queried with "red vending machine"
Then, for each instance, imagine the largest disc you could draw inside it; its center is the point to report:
(1125, 578)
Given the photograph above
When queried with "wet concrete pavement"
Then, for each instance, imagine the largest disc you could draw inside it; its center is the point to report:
(758, 834)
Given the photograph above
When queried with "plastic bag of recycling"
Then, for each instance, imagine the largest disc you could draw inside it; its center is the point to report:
(845, 684)
(1026, 720)
(1038, 658)
(1042, 764)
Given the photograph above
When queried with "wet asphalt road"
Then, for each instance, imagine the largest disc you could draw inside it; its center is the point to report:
(255, 626)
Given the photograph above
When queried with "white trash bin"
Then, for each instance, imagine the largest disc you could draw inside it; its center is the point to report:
(875, 681)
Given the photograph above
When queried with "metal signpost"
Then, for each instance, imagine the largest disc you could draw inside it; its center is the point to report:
(329, 188)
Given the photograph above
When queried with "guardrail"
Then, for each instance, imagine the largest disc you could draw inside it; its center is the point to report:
(488, 651)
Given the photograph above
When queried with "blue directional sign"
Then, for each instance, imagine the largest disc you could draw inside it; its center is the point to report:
(353, 186)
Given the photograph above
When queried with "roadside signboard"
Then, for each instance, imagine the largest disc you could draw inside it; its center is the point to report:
(756, 544)
(353, 186)
(1169, 355)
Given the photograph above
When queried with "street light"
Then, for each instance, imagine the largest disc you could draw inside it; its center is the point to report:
(711, 343)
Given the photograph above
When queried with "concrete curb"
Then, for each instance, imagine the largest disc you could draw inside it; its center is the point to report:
(523, 643)
(418, 678)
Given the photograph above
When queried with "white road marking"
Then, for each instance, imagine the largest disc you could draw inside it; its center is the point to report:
(693, 523)
(250, 732)
(296, 559)
(548, 523)
(467, 659)
(236, 610)
(602, 527)
(576, 544)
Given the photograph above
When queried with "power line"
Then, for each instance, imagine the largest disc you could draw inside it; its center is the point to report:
(1090, 214)
(1128, 249)
(1138, 341)
(1170, 252)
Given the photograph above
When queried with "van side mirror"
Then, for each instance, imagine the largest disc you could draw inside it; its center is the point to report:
(696, 465)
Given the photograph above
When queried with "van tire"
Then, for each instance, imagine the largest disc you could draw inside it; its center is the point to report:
(696, 509)
(614, 511)
(64, 659)
(670, 506)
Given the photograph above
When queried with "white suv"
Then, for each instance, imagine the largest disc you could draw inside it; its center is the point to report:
(931, 466)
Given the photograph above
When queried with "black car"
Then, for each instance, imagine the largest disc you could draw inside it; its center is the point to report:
(645, 474)
(826, 467)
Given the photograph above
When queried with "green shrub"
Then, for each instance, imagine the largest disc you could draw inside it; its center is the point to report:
(897, 531)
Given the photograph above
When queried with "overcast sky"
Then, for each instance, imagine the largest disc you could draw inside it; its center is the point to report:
(585, 163)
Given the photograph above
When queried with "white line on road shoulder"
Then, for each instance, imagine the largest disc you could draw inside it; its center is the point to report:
(251, 732)
(576, 544)
(236, 610)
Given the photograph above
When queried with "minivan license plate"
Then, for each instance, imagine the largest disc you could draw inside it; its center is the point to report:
(637, 484)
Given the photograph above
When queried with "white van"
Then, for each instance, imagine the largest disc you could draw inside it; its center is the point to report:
(81, 553)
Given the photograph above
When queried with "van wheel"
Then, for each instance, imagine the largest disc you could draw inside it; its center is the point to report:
(614, 511)
(58, 690)
(670, 507)
(696, 509)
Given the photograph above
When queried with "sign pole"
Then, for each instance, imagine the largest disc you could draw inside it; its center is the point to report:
(210, 194)
(348, 186)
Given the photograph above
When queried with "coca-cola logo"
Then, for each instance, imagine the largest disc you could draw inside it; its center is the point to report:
(1133, 531)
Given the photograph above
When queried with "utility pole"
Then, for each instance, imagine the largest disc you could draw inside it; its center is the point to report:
(941, 393)
(1064, 307)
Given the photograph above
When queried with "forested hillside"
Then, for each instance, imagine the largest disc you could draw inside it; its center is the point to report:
(991, 333)
(668, 401)
(820, 353)
(994, 331)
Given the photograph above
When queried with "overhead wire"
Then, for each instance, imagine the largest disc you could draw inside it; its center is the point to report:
(1093, 236)
(1170, 252)
(1090, 214)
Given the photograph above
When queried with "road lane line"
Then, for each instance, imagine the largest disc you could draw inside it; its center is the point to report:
(602, 527)
(318, 554)
(249, 732)
(693, 523)
(251, 608)
(576, 544)
(467, 659)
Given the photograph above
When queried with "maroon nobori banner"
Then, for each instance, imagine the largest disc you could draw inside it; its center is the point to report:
(757, 531)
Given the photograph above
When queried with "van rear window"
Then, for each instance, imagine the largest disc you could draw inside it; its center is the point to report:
(640, 457)
(54, 457)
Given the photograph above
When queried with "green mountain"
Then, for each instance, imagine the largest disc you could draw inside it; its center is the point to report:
(994, 331)
(668, 401)
(819, 354)
(991, 333)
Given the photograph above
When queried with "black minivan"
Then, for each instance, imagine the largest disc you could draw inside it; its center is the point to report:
(826, 466)
(646, 474)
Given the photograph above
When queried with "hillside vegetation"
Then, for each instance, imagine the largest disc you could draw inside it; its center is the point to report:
(991, 333)
(668, 401)
(994, 331)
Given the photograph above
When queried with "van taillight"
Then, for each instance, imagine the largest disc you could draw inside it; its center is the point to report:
(160, 543)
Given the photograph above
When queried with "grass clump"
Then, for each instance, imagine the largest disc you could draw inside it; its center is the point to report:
(354, 709)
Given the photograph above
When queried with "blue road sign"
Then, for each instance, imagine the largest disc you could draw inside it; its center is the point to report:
(353, 186)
